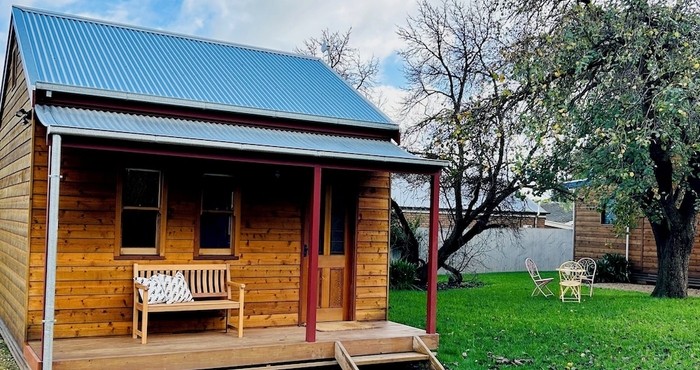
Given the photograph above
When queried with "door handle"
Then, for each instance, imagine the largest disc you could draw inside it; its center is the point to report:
(306, 250)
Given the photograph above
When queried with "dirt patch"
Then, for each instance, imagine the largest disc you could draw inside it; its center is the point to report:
(638, 288)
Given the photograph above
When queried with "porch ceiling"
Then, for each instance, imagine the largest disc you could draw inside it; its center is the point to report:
(174, 131)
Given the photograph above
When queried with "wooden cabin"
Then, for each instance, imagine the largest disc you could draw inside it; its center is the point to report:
(594, 236)
(122, 145)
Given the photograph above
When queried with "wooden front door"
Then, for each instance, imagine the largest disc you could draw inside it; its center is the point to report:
(334, 255)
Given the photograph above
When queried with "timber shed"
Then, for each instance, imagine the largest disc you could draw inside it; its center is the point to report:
(122, 145)
(594, 236)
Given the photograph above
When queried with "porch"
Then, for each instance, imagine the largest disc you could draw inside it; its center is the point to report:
(216, 349)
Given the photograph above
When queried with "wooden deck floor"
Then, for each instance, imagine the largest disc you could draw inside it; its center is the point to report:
(204, 350)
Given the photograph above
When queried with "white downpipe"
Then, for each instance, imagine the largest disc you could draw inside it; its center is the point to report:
(627, 244)
(573, 232)
(52, 243)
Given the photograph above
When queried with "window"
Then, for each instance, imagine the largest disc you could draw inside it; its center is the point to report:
(333, 222)
(140, 211)
(219, 222)
(607, 217)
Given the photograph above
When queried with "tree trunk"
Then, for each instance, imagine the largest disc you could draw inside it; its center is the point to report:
(456, 275)
(410, 248)
(673, 250)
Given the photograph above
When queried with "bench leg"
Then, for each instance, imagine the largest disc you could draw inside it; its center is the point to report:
(144, 326)
(135, 325)
(228, 319)
(240, 322)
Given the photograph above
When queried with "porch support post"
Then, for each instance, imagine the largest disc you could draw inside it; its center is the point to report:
(51, 246)
(430, 326)
(312, 287)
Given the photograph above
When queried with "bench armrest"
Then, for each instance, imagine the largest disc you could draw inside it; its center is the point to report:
(236, 285)
(241, 292)
(144, 297)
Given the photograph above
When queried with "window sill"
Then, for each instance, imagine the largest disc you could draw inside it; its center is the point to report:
(135, 257)
(217, 257)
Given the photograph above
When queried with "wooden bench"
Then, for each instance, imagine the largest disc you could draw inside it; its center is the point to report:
(210, 285)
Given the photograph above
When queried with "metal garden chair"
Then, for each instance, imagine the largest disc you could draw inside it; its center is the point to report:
(589, 266)
(570, 274)
(540, 283)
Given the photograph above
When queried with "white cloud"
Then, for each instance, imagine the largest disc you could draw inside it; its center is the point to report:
(285, 24)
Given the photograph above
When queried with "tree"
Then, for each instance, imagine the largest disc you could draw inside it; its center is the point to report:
(360, 73)
(617, 82)
(460, 80)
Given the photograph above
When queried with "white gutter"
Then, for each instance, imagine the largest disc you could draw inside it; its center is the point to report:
(627, 244)
(149, 138)
(573, 232)
(51, 247)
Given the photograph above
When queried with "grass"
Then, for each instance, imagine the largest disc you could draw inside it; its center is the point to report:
(6, 360)
(492, 326)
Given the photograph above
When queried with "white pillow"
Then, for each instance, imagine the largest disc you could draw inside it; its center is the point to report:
(175, 288)
(156, 293)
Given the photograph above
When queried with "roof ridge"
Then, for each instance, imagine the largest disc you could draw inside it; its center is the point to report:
(162, 32)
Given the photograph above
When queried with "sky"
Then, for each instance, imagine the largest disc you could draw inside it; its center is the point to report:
(273, 24)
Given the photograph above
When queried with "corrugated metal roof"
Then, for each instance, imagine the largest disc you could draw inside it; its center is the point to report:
(68, 53)
(165, 130)
(417, 196)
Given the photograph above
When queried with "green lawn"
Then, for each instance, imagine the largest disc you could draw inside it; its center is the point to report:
(489, 327)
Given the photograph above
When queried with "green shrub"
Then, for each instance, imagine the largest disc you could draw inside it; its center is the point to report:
(402, 275)
(613, 268)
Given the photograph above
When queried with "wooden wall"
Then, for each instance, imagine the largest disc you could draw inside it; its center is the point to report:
(593, 239)
(15, 178)
(373, 248)
(94, 289)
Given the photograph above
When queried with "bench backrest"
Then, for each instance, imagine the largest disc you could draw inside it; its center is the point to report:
(204, 281)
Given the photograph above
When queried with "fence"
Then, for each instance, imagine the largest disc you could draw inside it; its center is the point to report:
(506, 250)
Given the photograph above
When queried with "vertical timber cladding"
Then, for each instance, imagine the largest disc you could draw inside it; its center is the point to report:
(15, 177)
(372, 247)
(94, 290)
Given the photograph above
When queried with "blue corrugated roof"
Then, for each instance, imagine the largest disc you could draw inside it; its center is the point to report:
(410, 195)
(165, 130)
(68, 53)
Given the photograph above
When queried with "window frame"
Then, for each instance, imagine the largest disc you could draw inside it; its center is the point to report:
(607, 217)
(230, 253)
(157, 252)
(325, 246)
